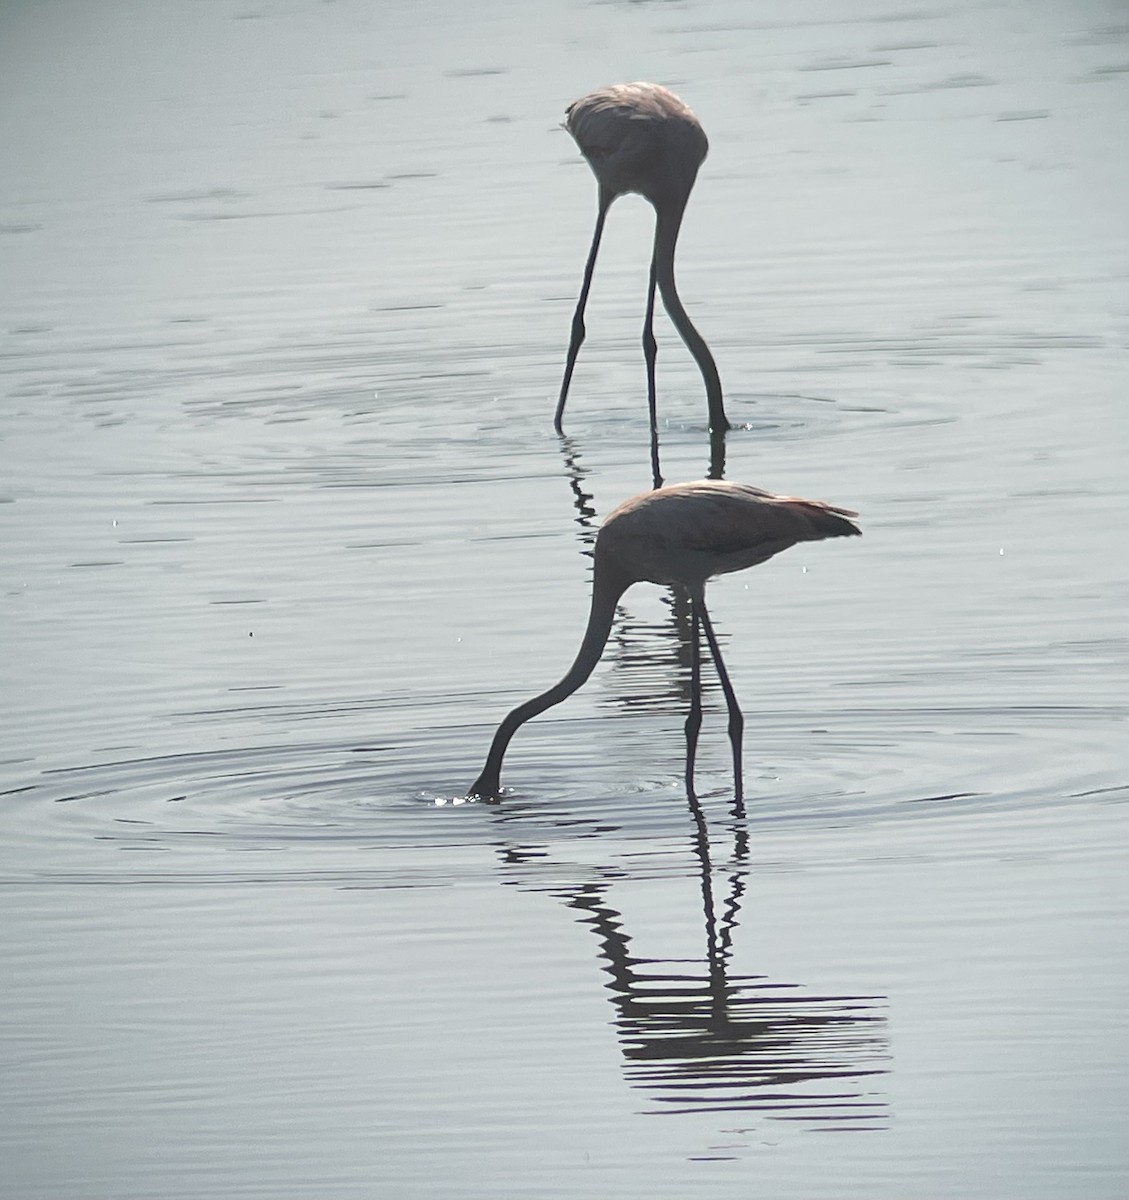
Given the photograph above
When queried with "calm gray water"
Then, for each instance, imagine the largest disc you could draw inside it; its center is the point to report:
(284, 295)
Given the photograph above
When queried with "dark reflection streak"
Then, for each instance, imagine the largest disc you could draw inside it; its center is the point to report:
(715, 957)
(717, 453)
(582, 500)
(728, 926)
(706, 1042)
(719, 939)
(656, 467)
(694, 718)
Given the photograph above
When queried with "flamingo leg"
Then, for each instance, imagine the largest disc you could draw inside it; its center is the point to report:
(736, 719)
(694, 717)
(668, 220)
(578, 330)
(650, 354)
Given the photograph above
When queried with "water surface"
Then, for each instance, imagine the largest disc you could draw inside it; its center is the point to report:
(284, 293)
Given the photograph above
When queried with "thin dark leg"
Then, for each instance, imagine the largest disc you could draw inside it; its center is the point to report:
(650, 354)
(668, 220)
(694, 718)
(578, 330)
(736, 720)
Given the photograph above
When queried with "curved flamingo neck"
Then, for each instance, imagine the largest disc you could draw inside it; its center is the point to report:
(668, 222)
(606, 591)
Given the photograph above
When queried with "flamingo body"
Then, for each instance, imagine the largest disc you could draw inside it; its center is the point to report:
(683, 535)
(640, 137)
(687, 533)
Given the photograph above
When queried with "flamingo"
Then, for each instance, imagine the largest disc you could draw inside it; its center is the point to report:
(640, 137)
(682, 534)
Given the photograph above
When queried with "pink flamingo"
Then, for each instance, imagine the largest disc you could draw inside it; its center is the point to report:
(639, 137)
(682, 534)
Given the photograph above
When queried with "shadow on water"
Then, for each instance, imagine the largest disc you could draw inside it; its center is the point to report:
(697, 1037)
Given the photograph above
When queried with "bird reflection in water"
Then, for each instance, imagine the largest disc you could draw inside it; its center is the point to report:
(582, 501)
(693, 1034)
(697, 1037)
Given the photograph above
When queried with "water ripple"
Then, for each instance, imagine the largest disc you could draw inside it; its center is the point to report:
(366, 815)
